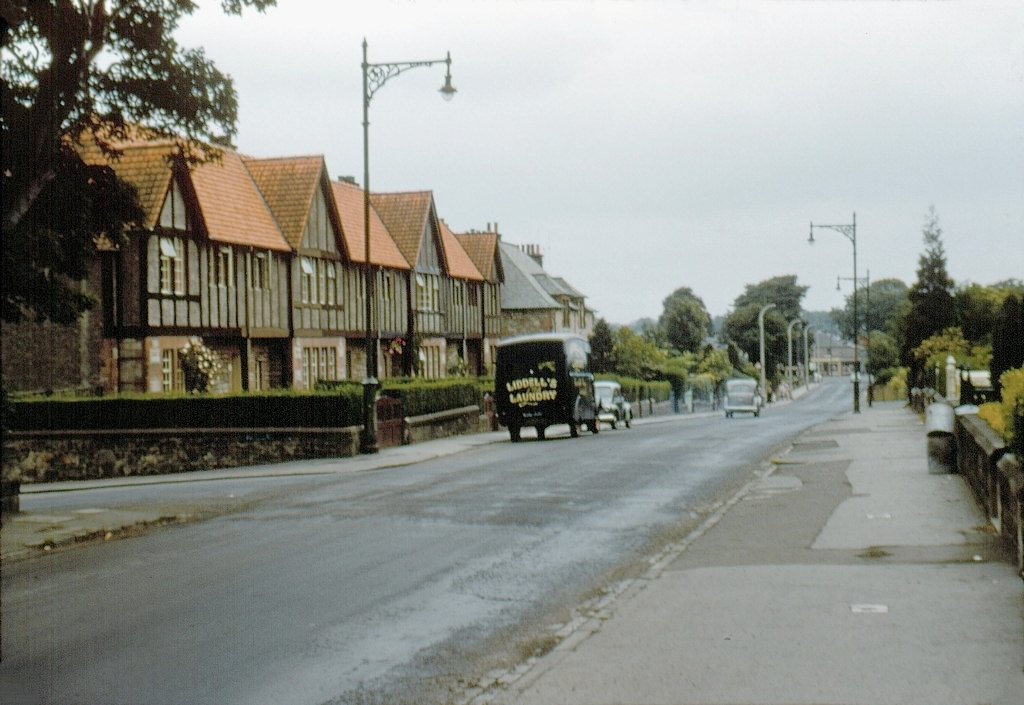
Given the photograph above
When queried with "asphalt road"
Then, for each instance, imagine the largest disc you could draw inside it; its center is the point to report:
(394, 585)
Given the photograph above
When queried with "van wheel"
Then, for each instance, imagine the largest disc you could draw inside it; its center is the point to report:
(513, 433)
(540, 432)
(574, 429)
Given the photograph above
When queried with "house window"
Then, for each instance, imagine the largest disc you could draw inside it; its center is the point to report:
(225, 267)
(422, 294)
(332, 283)
(319, 363)
(261, 271)
(307, 281)
(321, 273)
(387, 286)
(173, 378)
(172, 266)
(456, 292)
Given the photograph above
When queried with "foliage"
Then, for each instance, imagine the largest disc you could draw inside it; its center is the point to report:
(684, 321)
(976, 308)
(199, 365)
(930, 297)
(783, 291)
(90, 72)
(1007, 415)
(601, 346)
(634, 356)
(883, 355)
(741, 328)
(878, 307)
(1007, 339)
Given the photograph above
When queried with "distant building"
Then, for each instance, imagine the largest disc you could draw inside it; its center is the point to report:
(533, 301)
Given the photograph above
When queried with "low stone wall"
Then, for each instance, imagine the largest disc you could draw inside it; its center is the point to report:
(442, 424)
(83, 455)
(996, 478)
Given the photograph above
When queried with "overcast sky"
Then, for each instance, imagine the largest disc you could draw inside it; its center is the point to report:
(651, 145)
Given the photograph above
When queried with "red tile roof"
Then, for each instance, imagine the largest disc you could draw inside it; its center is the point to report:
(288, 185)
(405, 215)
(383, 250)
(460, 264)
(482, 248)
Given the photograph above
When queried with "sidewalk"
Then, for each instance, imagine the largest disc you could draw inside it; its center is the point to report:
(846, 575)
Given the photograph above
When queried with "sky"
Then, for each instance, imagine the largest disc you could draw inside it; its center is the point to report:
(648, 146)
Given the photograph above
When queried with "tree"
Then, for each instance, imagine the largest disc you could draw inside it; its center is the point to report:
(636, 357)
(601, 346)
(976, 308)
(883, 356)
(1007, 340)
(685, 320)
(783, 291)
(930, 297)
(878, 306)
(88, 71)
(741, 328)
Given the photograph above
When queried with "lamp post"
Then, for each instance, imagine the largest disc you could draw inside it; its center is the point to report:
(760, 331)
(850, 231)
(807, 358)
(866, 283)
(375, 76)
(789, 337)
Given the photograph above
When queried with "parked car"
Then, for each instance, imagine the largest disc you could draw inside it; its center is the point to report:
(742, 395)
(612, 407)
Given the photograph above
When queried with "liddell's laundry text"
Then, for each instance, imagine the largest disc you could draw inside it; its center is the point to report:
(528, 391)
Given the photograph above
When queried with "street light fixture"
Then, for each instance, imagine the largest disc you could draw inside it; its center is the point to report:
(850, 232)
(375, 76)
(789, 337)
(807, 358)
(760, 330)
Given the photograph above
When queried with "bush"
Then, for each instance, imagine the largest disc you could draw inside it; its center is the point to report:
(1007, 415)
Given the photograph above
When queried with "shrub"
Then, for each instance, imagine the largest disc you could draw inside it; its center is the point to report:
(1007, 415)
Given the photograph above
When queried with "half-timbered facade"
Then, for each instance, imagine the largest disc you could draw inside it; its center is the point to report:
(482, 248)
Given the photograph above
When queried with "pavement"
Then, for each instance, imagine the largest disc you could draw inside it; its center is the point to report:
(844, 574)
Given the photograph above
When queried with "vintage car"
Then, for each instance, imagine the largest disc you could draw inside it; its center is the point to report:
(612, 407)
(742, 395)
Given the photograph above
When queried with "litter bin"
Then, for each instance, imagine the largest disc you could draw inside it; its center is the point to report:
(938, 425)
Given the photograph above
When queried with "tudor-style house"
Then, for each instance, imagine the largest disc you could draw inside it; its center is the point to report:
(208, 261)
(391, 318)
(482, 249)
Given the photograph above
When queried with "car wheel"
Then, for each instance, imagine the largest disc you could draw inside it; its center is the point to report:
(595, 426)
(613, 425)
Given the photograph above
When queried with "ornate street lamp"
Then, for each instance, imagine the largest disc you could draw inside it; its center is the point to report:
(760, 330)
(850, 231)
(807, 358)
(375, 76)
(789, 368)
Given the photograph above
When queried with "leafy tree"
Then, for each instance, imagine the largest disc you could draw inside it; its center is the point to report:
(685, 320)
(878, 306)
(636, 357)
(930, 298)
(79, 71)
(1007, 339)
(883, 356)
(976, 309)
(741, 328)
(783, 291)
(601, 346)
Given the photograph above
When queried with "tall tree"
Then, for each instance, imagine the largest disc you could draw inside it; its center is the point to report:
(601, 345)
(930, 297)
(741, 328)
(878, 305)
(783, 291)
(684, 320)
(75, 70)
(1007, 339)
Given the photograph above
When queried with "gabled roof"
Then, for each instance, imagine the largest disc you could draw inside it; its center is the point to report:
(383, 250)
(288, 185)
(232, 207)
(405, 215)
(460, 265)
(521, 290)
(146, 165)
(482, 248)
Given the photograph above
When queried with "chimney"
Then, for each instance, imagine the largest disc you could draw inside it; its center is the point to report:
(533, 251)
(348, 180)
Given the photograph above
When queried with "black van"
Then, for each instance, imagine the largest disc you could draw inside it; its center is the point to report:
(544, 379)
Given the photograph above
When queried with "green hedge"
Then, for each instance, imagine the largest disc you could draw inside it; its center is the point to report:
(639, 389)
